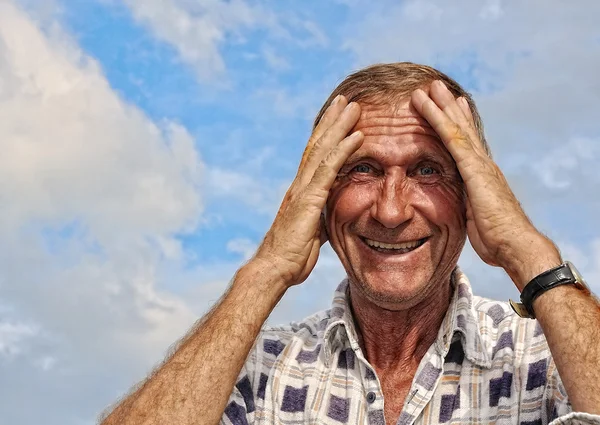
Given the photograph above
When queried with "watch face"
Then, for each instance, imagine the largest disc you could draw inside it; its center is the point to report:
(577, 275)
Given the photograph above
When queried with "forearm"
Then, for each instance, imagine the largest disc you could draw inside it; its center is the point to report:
(194, 384)
(570, 319)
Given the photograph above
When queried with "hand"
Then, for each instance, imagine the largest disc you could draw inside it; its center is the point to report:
(292, 244)
(498, 228)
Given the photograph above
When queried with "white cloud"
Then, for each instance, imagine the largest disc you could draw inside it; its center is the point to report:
(263, 195)
(302, 103)
(491, 10)
(195, 29)
(198, 30)
(242, 246)
(579, 156)
(45, 363)
(12, 336)
(93, 197)
(586, 257)
(317, 37)
(275, 61)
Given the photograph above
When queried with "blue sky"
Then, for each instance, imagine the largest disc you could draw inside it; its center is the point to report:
(146, 147)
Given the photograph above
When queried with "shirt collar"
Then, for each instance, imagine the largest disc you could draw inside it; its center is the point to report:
(460, 322)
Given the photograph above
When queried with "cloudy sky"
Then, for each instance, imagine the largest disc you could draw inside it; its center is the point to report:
(145, 145)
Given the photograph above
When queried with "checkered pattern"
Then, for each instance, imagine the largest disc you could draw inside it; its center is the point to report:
(487, 365)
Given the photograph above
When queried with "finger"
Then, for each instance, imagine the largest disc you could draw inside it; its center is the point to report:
(457, 109)
(440, 94)
(466, 108)
(329, 167)
(464, 105)
(329, 140)
(331, 114)
(454, 138)
(471, 128)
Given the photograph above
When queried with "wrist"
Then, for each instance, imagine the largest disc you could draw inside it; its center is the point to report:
(537, 255)
(263, 276)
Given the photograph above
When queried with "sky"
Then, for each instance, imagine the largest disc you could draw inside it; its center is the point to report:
(145, 147)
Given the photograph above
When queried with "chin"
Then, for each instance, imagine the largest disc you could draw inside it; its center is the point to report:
(386, 293)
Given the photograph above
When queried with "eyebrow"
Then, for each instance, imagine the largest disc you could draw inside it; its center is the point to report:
(419, 155)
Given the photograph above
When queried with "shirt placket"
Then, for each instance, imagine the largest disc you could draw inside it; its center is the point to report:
(424, 385)
(421, 392)
(373, 394)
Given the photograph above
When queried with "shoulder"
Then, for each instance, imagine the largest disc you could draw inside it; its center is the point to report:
(275, 340)
(493, 314)
(505, 334)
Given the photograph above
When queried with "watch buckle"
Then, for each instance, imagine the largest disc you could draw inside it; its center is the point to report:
(520, 309)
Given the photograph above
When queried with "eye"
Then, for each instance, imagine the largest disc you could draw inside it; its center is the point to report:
(362, 168)
(427, 170)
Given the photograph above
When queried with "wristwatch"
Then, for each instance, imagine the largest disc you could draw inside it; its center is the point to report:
(565, 274)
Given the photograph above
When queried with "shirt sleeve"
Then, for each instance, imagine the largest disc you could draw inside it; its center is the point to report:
(577, 418)
(558, 406)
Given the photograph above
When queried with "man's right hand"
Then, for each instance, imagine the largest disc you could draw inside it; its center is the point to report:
(292, 244)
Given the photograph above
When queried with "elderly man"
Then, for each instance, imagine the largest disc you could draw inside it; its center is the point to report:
(395, 176)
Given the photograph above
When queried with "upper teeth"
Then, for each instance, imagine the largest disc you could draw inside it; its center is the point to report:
(406, 245)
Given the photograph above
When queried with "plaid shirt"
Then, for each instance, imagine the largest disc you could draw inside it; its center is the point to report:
(487, 365)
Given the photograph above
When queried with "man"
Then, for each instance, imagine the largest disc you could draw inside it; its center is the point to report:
(395, 176)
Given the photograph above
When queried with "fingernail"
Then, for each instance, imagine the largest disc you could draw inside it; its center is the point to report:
(419, 92)
(350, 106)
(357, 134)
(336, 100)
(441, 84)
(418, 96)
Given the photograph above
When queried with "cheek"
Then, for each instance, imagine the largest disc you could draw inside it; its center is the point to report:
(444, 204)
(350, 201)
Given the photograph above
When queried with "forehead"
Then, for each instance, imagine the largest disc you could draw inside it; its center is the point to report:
(390, 119)
(396, 128)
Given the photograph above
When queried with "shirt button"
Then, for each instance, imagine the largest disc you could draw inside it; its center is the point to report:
(371, 397)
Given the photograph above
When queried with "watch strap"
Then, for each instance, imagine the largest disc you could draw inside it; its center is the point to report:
(552, 278)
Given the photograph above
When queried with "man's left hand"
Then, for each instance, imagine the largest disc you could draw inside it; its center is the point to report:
(497, 227)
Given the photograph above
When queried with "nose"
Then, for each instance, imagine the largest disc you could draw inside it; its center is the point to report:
(393, 205)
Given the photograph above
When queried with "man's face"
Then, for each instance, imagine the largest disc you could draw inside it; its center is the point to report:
(396, 213)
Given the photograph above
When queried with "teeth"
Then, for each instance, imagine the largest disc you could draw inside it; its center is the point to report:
(407, 245)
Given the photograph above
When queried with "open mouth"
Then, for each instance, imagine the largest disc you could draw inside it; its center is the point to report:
(394, 248)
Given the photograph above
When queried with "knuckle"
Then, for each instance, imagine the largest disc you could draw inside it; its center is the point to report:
(318, 144)
(331, 158)
(315, 199)
(319, 174)
(311, 201)
(428, 104)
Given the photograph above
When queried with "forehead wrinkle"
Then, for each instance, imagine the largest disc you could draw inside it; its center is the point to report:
(397, 131)
(377, 130)
(413, 152)
(388, 121)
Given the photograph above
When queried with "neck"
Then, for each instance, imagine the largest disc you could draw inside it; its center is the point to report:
(398, 339)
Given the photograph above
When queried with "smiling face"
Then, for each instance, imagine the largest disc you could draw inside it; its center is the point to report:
(396, 213)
